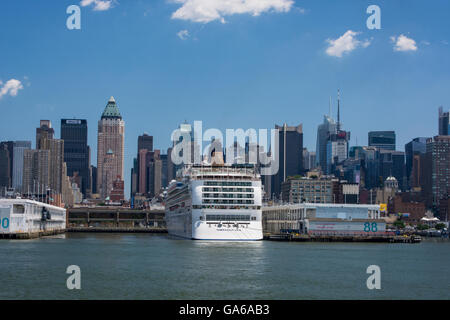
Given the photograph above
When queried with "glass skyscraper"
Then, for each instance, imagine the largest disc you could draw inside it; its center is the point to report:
(382, 139)
(76, 150)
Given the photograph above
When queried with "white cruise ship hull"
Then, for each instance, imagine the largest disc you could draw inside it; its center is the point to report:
(190, 226)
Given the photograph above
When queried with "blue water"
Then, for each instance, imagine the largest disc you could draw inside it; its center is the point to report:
(143, 266)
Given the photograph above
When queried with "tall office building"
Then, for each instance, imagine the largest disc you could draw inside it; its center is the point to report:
(309, 159)
(18, 153)
(36, 171)
(110, 148)
(164, 170)
(327, 128)
(392, 163)
(5, 170)
(154, 173)
(142, 171)
(337, 149)
(45, 141)
(444, 124)
(290, 155)
(44, 132)
(413, 148)
(145, 142)
(74, 132)
(93, 179)
(382, 139)
(145, 145)
(336, 143)
(134, 178)
(438, 150)
(170, 166)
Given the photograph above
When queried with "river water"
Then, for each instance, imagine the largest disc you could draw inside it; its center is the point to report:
(145, 266)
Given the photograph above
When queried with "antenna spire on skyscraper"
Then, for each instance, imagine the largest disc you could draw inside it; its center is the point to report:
(330, 114)
(338, 112)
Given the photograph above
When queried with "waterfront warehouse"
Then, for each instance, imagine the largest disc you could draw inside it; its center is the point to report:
(23, 218)
(328, 219)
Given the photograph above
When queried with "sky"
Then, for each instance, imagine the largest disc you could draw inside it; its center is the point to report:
(231, 64)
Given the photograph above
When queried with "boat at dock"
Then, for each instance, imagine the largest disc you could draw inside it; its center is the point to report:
(211, 202)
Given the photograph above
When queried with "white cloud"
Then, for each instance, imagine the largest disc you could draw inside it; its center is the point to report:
(403, 43)
(345, 44)
(11, 87)
(183, 34)
(300, 10)
(99, 5)
(205, 11)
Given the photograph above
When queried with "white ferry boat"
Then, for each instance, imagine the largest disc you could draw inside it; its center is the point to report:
(211, 202)
(24, 218)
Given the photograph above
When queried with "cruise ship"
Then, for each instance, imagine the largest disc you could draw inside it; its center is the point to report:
(215, 202)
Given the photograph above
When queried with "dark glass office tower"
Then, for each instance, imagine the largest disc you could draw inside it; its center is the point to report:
(5, 167)
(416, 147)
(444, 124)
(382, 139)
(290, 155)
(76, 150)
(145, 142)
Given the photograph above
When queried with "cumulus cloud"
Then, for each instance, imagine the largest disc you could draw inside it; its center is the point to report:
(11, 87)
(403, 43)
(345, 44)
(99, 5)
(205, 11)
(183, 34)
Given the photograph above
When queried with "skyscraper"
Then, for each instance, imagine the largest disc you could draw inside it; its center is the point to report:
(145, 145)
(337, 149)
(45, 131)
(5, 171)
(9, 146)
(438, 150)
(309, 159)
(416, 146)
(332, 142)
(382, 139)
(145, 142)
(36, 168)
(110, 148)
(74, 132)
(392, 163)
(444, 125)
(327, 128)
(45, 141)
(18, 153)
(290, 155)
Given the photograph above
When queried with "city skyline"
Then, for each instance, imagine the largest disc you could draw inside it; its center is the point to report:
(162, 77)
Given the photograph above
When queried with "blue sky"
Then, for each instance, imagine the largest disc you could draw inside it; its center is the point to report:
(228, 69)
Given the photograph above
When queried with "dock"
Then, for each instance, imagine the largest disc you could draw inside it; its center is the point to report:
(31, 235)
(116, 230)
(342, 238)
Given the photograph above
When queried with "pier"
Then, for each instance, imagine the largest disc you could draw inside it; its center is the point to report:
(115, 219)
(342, 238)
(31, 235)
(118, 230)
